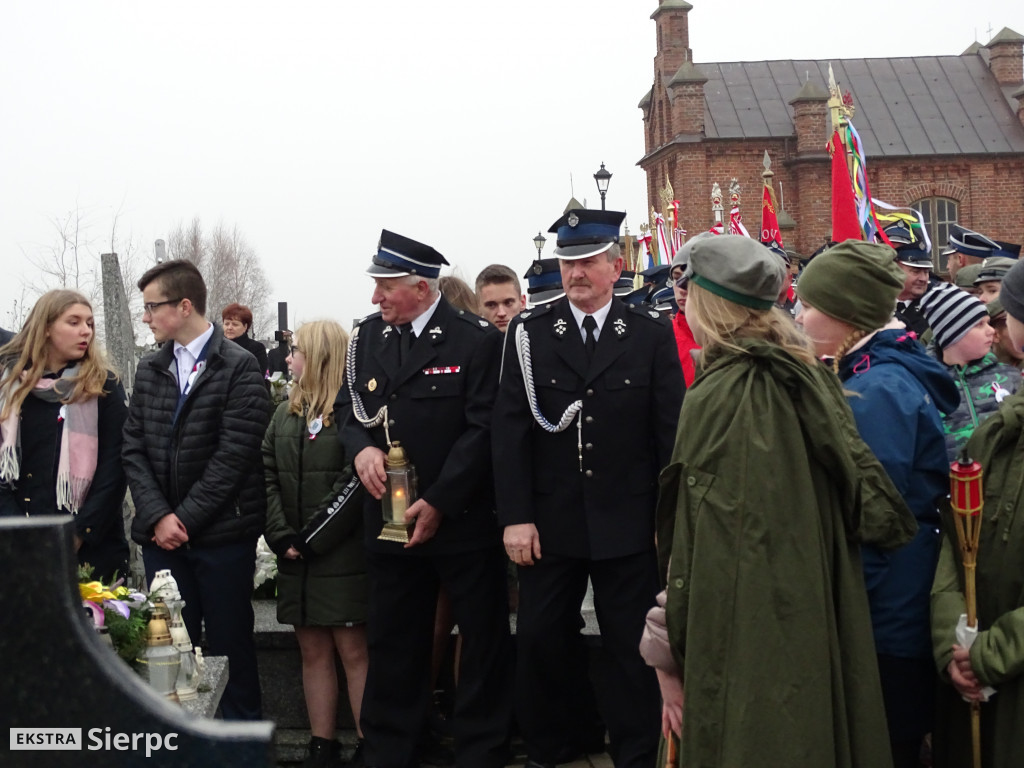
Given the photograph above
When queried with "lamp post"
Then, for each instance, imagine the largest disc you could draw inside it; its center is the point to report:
(603, 178)
(539, 241)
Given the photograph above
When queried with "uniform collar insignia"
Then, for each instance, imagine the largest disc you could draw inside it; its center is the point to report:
(387, 329)
(525, 314)
(560, 326)
(654, 314)
(620, 326)
(435, 331)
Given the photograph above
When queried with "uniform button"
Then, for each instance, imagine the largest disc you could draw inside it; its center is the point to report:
(590, 393)
(394, 396)
(433, 388)
(553, 381)
(589, 473)
(691, 481)
(678, 583)
(627, 381)
(589, 419)
(590, 446)
(29, 475)
(88, 530)
(391, 422)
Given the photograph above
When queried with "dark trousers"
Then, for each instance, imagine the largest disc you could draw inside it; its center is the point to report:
(550, 594)
(403, 600)
(909, 690)
(216, 585)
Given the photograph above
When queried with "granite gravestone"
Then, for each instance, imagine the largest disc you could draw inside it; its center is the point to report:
(58, 675)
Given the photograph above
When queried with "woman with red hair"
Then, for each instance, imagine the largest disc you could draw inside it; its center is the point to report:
(237, 321)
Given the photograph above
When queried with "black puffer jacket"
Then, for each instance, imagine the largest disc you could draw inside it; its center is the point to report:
(205, 467)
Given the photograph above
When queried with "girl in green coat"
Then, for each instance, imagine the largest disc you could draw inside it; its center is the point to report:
(765, 503)
(322, 586)
(996, 656)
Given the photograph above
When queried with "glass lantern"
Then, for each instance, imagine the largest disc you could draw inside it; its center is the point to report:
(160, 661)
(399, 495)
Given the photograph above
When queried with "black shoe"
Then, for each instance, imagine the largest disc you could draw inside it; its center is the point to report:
(356, 760)
(323, 753)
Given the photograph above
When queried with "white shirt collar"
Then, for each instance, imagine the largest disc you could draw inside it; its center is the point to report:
(599, 317)
(195, 347)
(421, 322)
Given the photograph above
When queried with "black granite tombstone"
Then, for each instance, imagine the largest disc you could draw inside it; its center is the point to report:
(65, 699)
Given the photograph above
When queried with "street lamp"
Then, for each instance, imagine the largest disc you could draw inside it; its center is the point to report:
(539, 241)
(603, 178)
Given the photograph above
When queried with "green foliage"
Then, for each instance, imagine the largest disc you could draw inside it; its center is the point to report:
(127, 635)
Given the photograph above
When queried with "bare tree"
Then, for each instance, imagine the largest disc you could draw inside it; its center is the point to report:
(72, 261)
(230, 267)
(68, 262)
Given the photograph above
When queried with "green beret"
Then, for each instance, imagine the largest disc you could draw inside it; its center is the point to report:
(965, 276)
(855, 282)
(738, 269)
(995, 308)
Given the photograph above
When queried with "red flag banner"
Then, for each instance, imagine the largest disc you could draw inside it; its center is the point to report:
(845, 222)
(769, 219)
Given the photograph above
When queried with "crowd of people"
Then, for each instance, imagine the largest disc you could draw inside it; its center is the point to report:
(749, 471)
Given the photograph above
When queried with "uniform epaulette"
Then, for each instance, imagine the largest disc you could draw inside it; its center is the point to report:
(650, 313)
(475, 320)
(534, 312)
(359, 322)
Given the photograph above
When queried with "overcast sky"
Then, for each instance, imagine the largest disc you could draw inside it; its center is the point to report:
(312, 125)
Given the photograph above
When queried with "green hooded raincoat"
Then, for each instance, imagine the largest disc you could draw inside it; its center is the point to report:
(769, 493)
(997, 656)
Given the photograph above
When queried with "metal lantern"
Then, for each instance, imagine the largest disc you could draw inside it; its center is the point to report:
(399, 494)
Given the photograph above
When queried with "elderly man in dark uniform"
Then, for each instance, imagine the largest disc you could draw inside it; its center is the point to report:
(424, 375)
(585, 419)
(915, 259)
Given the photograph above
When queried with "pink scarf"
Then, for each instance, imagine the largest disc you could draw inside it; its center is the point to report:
(79, 443)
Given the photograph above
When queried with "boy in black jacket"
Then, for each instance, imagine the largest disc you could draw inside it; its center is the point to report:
(192, 457)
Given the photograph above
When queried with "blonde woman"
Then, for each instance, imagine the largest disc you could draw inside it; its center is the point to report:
(322, 576)
(61, 415)
(763, 506)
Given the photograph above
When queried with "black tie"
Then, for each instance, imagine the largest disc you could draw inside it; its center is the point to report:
(408, 337)
(590, 327)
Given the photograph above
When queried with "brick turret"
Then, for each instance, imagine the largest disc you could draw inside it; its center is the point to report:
(686, 95)
(1006, 57)
(809, 118)
(673, 28)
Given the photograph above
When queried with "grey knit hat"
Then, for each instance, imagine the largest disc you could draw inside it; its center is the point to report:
(951, 313)
(1012, 292)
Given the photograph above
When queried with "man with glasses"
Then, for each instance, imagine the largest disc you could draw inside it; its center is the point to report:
(585, 419)
(192, 456)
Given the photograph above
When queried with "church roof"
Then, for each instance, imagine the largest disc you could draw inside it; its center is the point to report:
(925, 105)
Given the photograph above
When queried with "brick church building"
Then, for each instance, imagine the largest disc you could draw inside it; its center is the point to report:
(944, 134)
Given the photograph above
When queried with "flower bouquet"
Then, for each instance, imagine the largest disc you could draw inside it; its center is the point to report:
(122, 611)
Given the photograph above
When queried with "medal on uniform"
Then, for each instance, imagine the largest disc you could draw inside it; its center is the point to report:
(315, 426)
